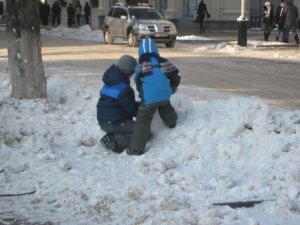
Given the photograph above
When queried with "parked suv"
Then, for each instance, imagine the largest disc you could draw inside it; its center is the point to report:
(134, 23)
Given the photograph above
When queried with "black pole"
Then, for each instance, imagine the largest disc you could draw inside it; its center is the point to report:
(242, 33)
(242, 26)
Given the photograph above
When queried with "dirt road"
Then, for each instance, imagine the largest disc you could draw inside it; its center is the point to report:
(264, 71)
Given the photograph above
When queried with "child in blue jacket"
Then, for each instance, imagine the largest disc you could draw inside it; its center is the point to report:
(156, 80)
(116, 106)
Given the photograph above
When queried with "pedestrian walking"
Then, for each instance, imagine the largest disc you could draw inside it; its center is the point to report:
(291, 15)
(280, 19)
(267, 20)
(56, 13)
(71, 14)
(78, 10)
(156, 80)
(87, 12)
(202, 12)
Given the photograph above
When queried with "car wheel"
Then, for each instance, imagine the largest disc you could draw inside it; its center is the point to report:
(132, 40)
(171, 43)
(107, 37)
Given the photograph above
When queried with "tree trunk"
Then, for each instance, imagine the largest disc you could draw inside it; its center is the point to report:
(24, 49)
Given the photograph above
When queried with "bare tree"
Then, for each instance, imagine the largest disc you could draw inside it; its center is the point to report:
(24, 49)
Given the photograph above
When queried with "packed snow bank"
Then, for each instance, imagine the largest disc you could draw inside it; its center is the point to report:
(222, 150)
(193, 38)
(255, 49)
(232, 45)
(82, 33)
(227, 149)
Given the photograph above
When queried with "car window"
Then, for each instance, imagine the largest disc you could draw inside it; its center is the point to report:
(144, 14)
(123, 12)
(117, 12)
(110, 13)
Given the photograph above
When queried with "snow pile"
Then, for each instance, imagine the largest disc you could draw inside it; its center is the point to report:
(232, 46)
(224, 150)
(276, 49)
(193, 38)
(229, 149)
(82, 33)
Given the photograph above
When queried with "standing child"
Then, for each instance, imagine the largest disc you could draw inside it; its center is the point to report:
(116, 106)
(156, 79)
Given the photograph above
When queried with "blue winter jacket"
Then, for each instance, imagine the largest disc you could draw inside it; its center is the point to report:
(156, 78)
(117, 100)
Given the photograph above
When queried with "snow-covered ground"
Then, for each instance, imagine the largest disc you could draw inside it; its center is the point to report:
(232, 149)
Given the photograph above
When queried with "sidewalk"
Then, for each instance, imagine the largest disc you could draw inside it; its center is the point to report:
(253, 34)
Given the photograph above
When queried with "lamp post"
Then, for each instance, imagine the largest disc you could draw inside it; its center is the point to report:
(242, 26)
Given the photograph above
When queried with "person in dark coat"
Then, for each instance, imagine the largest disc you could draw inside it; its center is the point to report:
(45, 11)
(156, 80)
(267, 20)
(202, 12)
(40, 9)
(71, 14)
(1, 10)
(116, 106)
(291, 15)
(280, 19)
(87, 12)
(56, 13)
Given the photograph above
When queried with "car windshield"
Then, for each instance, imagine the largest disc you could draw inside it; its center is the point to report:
(144, 14)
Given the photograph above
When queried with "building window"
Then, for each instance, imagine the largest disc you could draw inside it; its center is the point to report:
(189, 7)
(161, 6)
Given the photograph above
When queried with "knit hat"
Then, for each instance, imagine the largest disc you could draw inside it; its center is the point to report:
(127, 64)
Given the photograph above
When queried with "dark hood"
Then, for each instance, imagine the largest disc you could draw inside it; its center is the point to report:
(114, 76)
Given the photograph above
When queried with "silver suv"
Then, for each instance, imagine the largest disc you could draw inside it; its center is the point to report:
(134, 23)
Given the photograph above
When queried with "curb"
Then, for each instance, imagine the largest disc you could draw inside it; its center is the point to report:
(234, 42)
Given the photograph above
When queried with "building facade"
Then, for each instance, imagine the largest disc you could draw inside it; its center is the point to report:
(224, 13)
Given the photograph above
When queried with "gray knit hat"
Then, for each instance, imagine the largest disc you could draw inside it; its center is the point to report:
(127, 64)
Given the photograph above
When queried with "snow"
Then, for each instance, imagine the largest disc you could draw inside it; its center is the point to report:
(84, 33)
(224, 149)
(193, 38)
